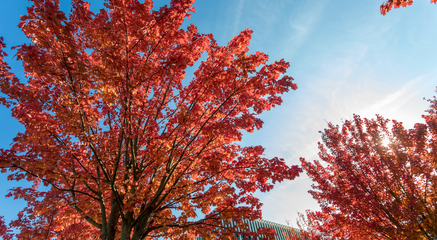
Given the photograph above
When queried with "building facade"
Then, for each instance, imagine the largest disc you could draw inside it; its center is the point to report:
(280, 229)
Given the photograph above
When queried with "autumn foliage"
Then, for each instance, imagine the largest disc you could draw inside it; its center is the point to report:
(129, 147)
(389, 4)
(371, 190)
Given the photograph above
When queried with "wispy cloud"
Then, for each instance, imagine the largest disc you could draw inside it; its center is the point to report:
(238, 16)
(392, 102)
(301, 23)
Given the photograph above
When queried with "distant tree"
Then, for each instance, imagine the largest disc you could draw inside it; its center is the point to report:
(129, 150)
(310, 226)
(387, 6)
(299, 233)
(371, 190)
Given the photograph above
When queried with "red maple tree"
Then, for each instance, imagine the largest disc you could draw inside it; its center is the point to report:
(389, 4)
(128, 150)
(371, 190)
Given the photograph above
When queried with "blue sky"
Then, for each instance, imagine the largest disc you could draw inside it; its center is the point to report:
(345, 57)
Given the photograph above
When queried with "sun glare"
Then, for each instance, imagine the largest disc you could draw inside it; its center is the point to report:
(385, 142)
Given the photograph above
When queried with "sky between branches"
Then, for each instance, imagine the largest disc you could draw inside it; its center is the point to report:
(345, 57)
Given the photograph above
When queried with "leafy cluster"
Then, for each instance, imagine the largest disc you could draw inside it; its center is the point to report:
(389, 4)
